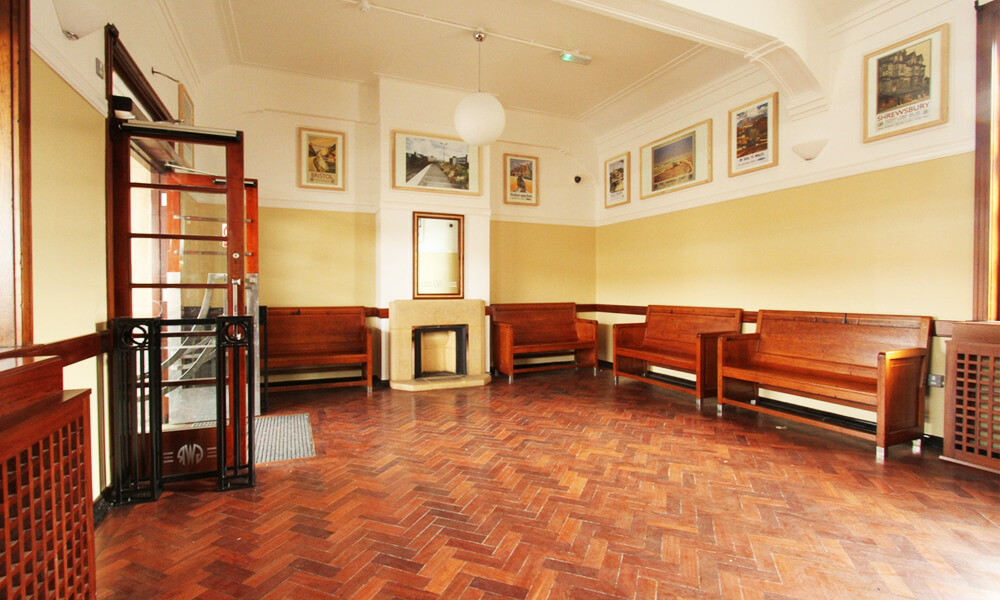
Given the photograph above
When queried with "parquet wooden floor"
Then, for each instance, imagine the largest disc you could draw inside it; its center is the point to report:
(564, 486)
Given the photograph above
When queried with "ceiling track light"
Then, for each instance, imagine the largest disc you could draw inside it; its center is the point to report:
(366, 6)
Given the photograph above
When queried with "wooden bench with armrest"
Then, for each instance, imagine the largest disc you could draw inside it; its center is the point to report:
(876, 363)
(309, 339)
(681, 338)
(541, 330)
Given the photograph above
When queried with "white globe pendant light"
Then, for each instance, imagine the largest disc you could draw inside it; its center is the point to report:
(479, 117)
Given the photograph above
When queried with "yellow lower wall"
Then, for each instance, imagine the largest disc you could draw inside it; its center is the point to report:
(542, 263)
(892, 241)
(316, 258)
(67, 228)
(67, 209)
(896, 241)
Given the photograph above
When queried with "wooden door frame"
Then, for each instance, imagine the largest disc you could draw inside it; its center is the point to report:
(986, 253)
(16, 325)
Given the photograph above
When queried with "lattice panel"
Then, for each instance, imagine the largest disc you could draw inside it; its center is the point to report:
(45, 526)
(975, 431)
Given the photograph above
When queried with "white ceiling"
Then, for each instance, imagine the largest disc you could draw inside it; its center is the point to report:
(433, 44)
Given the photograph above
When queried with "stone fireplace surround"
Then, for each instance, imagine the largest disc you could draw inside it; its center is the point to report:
(404, 315)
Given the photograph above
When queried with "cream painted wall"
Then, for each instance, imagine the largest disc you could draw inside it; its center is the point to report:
(67, 214)
(542, 263)
(316, 258)
(894, 241)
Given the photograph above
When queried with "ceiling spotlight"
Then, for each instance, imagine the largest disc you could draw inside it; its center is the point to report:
(364, 7)
(574, 57)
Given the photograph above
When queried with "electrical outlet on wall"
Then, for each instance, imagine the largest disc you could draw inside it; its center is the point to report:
(99, 67)
(935, 380)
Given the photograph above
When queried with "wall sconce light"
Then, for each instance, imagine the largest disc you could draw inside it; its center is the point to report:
(78, 18)
(809, 150)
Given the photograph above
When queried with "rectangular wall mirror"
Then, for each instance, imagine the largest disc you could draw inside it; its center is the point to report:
(438, 255)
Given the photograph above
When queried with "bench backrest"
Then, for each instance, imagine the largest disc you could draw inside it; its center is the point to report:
(537, 323)
(319, 330)
(684, 323)
(838, 342)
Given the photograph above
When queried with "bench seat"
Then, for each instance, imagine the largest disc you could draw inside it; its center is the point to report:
(538, 330)
(876, 363)
(298, 340)
(833, 386)
(680, 338)
(315, 360)
(680, 357)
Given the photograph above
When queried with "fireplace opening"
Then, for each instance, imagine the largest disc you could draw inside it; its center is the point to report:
(440, 350)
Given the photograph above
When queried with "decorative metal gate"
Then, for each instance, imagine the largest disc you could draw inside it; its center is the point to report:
(154, 359)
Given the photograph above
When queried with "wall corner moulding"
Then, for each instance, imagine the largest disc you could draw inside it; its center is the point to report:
(803, 93)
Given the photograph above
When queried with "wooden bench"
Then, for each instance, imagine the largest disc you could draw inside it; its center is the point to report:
(538, 330)
(876, 363)
(311, 339)
(682, 338)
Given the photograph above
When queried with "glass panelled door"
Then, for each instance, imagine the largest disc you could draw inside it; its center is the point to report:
(182, 253)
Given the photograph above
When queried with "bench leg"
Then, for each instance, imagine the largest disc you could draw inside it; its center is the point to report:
(718, 410)
(917, 446)
(616, 380)
(697, 403)
(595, 371)
(879, 454)
(510, 378)
(369, 389)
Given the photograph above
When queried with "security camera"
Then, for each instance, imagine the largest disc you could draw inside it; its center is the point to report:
(578, 179)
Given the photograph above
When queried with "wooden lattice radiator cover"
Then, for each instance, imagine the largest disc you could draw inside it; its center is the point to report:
(46, 520)
(972, 411)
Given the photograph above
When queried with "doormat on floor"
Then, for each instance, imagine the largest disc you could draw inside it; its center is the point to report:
(282, 437)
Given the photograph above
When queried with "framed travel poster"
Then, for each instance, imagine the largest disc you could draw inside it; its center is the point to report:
(321, 159)
(906, 85)
(520, 179)
(681, 160)
(617, 180)
(426, 163)
(753, 136)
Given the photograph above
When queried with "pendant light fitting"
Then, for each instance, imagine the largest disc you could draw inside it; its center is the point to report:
(479, 118)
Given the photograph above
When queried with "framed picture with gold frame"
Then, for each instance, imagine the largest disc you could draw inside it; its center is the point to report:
(185, 115)
(321, 159)
(520, 179)
(427, 163)
(678, 161)
(617, 180)
(753, 136)
(906, 85)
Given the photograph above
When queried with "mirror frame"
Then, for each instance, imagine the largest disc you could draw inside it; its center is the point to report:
(460, 220)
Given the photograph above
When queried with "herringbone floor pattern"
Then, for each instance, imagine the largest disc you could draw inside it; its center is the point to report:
(564, 486)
